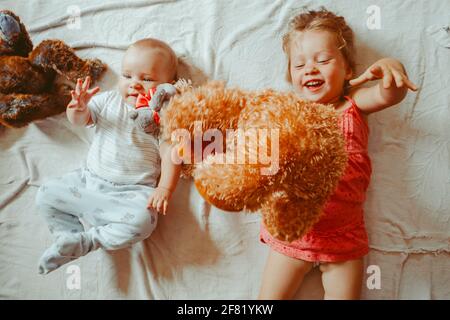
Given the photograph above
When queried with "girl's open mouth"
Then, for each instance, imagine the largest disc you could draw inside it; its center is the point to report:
(314, 85)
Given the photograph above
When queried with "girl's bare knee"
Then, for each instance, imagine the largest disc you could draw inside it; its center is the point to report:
(282, 276)
(343, 280)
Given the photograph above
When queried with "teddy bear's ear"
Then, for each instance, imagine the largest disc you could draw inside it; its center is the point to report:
(288, 218)
(14, 38)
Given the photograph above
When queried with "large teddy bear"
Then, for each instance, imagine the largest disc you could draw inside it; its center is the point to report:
(303, 138)
(28, 87)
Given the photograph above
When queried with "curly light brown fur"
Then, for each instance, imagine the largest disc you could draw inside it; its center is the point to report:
(312, 156)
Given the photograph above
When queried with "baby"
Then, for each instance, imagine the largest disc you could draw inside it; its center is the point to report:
(116, 192)
(321, 61)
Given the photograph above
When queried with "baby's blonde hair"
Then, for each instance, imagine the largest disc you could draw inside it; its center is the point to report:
(323, 20)
(152, 43)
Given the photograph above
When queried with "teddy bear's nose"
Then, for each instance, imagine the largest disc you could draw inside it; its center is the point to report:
(9, 30)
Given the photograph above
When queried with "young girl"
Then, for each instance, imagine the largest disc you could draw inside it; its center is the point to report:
(320, 52)
(117, 191)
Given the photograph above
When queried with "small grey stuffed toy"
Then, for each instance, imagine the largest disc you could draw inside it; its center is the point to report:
(144, 118)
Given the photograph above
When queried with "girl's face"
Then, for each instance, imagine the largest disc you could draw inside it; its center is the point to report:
(143, 69)
(317, 67)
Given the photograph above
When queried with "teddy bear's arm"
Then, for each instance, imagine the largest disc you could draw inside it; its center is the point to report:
(19, 76)
(17, 110)
(56, 55)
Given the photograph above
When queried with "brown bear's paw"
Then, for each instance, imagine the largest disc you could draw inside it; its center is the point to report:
(11, 114)
(19, 76)
(18, 110)
(56, 55)
(94, 68)
(230, 186)
(287, 218)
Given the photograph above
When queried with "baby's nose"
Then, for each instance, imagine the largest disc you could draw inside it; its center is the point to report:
(136, 85)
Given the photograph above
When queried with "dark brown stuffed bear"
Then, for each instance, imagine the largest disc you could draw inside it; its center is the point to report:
(28, 87)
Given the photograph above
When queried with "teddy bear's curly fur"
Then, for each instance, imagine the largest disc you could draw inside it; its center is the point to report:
(312, 154)
(28, 90)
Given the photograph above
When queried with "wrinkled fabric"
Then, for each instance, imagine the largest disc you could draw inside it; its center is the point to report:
(198, 251)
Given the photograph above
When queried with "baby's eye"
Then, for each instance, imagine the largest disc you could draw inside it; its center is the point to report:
(127, 76)
(299, 66)
(148, 79)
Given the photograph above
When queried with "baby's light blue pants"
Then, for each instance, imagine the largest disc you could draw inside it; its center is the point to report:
(117, 215)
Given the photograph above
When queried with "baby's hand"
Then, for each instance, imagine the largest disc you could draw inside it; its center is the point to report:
(388, 69)
(81, 95)
(159, 200)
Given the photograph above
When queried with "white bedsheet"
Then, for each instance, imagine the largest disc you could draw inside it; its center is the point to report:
(198, 251)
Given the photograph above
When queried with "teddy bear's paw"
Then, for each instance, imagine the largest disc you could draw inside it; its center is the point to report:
(58, 56)
(18, 110)
(288, 218)
(244, 187)
(11, 116)
(45, 55)
(94, 68)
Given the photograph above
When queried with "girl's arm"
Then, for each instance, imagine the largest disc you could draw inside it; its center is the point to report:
(389, 91)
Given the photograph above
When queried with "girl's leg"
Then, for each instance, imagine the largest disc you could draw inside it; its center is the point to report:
(342, 280)
(282, 276)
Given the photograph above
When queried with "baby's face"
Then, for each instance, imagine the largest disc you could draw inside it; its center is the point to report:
(143, 69)
(318, 68)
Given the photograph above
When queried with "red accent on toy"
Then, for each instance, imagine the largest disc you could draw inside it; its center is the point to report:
(143, 100)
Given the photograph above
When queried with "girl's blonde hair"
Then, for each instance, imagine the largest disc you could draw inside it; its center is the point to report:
(323, 20)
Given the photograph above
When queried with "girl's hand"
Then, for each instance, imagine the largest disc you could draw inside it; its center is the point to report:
(159, 200)
(390, 71)
(81, 95)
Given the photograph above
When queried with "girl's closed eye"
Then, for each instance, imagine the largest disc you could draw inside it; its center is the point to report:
(126, 76)
(324, 61)
(324, 58)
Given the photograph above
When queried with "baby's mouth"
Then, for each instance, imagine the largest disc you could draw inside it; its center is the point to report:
(133, 95)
